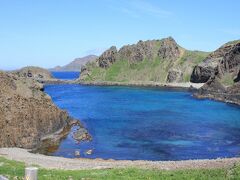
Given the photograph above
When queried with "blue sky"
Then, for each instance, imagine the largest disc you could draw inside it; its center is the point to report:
(53, 32)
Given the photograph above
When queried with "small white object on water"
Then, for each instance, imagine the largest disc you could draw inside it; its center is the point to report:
(31, 173)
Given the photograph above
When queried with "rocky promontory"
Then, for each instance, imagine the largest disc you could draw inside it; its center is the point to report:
(221, 72)
(27, 114)
(223, 62)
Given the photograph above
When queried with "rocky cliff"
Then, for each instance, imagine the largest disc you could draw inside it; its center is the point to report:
(154, 60)
(26, 113)
(223, 62)
(76, 64)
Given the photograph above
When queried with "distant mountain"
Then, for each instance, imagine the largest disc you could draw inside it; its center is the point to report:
(76, 64)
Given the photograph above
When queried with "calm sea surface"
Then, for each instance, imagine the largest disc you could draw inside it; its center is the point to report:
(146, 123)
(66, 75)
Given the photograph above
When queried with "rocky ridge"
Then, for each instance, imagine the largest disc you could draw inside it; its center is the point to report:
(153, 60)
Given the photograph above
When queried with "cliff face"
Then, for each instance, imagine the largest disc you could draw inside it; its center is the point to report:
(26, 113)
(225, 60)
(76, 64)
(154, 60)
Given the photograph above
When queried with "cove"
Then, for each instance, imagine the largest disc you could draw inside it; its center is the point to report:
(147, 124)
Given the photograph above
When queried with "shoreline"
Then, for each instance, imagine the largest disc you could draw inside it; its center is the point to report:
(54, 162)
(183, 85)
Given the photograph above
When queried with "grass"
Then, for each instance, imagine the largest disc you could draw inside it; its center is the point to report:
(15, 170)
(227, 79)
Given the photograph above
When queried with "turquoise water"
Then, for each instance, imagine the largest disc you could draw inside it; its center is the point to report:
(146, 123)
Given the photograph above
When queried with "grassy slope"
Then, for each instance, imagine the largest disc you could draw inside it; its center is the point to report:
(15, 170)
(148, 70)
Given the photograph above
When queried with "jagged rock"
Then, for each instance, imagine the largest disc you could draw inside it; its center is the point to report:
(169, 49)
(226, 59)
(174, 75)
(108, 57)
(137, 52)
(26, 113)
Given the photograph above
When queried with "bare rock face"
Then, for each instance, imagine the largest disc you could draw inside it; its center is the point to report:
(166, 49)
(169, 49)
(108, 57)
(26, 113)
(175, 75)
(226, 59)
(137, 52)
(33, 72)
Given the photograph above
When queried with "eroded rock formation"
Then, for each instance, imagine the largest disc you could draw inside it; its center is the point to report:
(26, 113)
(224, 60)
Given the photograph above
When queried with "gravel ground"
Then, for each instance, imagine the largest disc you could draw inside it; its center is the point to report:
(51, 162)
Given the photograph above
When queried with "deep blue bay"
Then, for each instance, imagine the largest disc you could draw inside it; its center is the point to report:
(147, 123)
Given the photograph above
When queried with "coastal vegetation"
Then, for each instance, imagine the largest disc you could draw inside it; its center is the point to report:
(15, 170)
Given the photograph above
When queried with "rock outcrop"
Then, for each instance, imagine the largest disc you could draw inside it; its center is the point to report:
(151, 60)
(213, 89)
(108, 57)
(226, 59)
(26, 113)
(174, 75)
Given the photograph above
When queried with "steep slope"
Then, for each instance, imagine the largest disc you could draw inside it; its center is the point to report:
(75, 65)
(147, 61)
(221, 72)
(223, 63)
(26, 113)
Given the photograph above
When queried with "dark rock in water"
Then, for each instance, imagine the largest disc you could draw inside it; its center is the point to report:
(82, 135)
(107, 58)
(26, 113)
(226, 59)
(174, 75)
